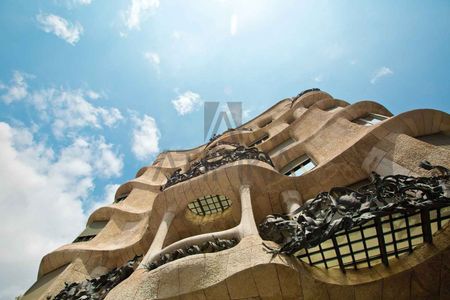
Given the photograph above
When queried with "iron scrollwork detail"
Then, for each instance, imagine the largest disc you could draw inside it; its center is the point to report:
(99, 287)
(206, 247)
(342, 208)
(216, 159)
(306, 92)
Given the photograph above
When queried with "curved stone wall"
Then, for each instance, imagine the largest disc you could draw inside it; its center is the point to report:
(150, 220)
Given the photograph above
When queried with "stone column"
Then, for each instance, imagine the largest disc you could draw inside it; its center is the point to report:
(291, 200)
(160, 236)
(247, 225)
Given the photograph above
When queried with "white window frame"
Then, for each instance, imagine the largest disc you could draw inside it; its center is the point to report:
(303, 164)
(370, 119)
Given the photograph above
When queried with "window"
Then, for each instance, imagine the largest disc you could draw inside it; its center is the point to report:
(332, 108)
(121, 198)
(91, 231)
(282, 146)
(265, 123)
(370, 119)
(298, 166)
(259, 140)
(208, 205)
(440, 139)
(290, 119)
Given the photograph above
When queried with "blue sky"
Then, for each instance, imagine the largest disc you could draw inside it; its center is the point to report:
(91, 90)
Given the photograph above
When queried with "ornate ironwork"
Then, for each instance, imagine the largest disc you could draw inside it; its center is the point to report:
(343, 208)
(306, 92)
(206, 247)
(216, 159)
(97, 288)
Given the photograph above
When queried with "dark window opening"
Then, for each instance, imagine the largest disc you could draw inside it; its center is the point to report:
(121, 198)
(259, 141)
(264, 124)
(440, 139)
(91, 231)
(331, 108)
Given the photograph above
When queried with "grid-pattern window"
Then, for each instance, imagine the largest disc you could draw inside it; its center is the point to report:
(208, 205)
(121, 198)
(91, 231)
(370, 119)
(282, 146)
(377, 240)
(298, 166)
(259, 140)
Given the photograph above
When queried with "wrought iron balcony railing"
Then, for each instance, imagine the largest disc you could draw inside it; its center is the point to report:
(214, 160)
(340, 213)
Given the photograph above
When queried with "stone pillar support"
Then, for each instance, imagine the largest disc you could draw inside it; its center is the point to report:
(247, 226)
(291, 200)
(160, 236)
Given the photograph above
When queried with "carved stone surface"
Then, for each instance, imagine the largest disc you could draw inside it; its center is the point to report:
(215, 159)
(206, 247)
(343, 208)
(215, 136)
(98, 288)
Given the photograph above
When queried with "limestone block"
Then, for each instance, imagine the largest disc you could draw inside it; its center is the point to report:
(266, 279)
(218, 291)
(191, 272)
(242, 285)
(397, 287)
(369, 291)
(289, 282)
(425, 280)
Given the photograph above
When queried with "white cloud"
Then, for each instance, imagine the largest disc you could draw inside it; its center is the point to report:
(107, 199)
(318, 78)
(154, 59)
(145, 137)
(82, 2)
(233, 24)
(70, 110)
(381, 72)
(93, 94)
(176, 35)
(17, 90)
(60, 27)
(186, 102)
(41, 198)
(246, 114)
(74, 3)
(139, 10)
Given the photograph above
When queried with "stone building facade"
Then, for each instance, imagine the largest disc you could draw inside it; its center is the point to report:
(187, 226)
